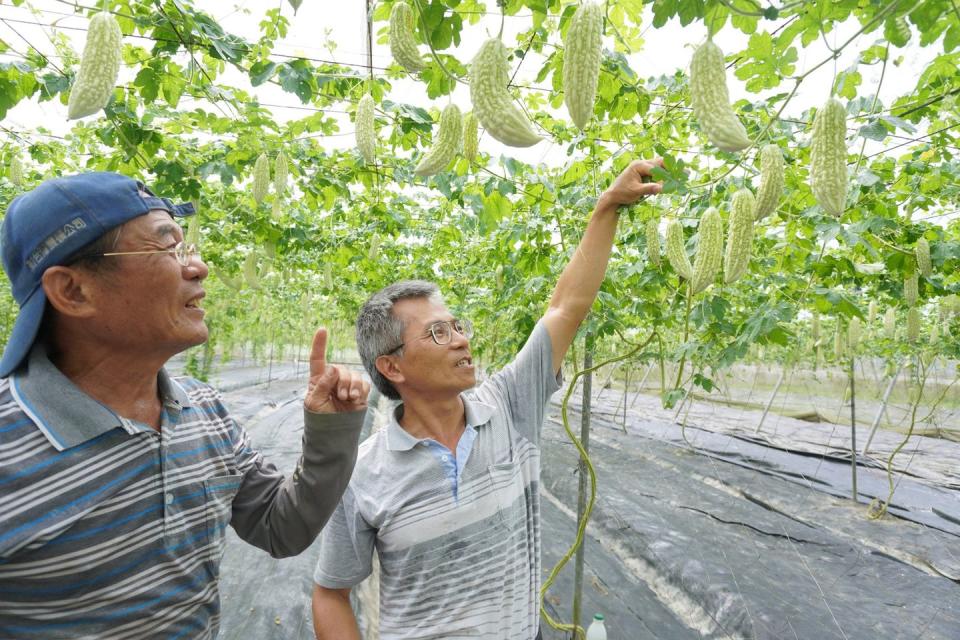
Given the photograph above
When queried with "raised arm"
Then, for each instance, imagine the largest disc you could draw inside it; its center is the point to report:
(580, 281)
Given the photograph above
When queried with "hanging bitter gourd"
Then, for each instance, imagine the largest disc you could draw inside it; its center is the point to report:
(98, 67)
(854, 332)
(261, 178)
(15, 170)
(709, 251)
(445, 145)
(913, 324)
(281, 170)
(653, 241)
(403, 46)
(581, 62)
(250, 270)
(828, 157)
(470, 136)
(491, 99)
(365, 133)
(922, 252)
(771, 181)
(740, 236)
(711, 100)
(677, 252)
(890, 324)
(911, 289)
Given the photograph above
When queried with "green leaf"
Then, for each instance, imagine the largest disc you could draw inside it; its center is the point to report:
(261, 71)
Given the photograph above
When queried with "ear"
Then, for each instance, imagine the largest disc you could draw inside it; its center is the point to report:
(389, 368)
(68, 291)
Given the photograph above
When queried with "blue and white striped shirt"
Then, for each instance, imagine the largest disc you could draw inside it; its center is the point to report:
(110, 529)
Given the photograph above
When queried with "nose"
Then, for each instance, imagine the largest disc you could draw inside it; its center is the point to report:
(458, 339)
(197, 268)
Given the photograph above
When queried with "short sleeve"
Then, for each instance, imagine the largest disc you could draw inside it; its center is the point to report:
(346, 547)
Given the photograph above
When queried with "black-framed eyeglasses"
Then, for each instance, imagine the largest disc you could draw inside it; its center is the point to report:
(182, 251)
(442, 332)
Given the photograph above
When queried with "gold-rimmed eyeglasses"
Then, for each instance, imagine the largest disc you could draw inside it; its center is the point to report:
(182, 251)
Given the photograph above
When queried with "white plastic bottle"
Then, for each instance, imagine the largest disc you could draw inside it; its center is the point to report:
(597, 631)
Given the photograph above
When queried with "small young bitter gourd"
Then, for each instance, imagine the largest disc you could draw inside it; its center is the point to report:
(445, 145)
(470, 136)
(261, 178)
(250, 270)
(771, 181)
(365, 134)
(281, 169)
(653, 241)
(854, 331)
(890, 324)
(828, 157)
(911, 289)
(922, 252)
(711, 100)
(913, 324)
(677, 252)
(491, 99)
(815, 326)
(838, 342)
(581, 62)
(15, 170)
(403, 46)
(739, 237)
(872, 313)
(295, 4)
(709, 251)
(98, 67)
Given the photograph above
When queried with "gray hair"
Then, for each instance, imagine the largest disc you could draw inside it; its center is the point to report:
(379, 330)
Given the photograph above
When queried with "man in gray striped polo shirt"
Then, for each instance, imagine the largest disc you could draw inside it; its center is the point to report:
(448, 492)
(116, 480)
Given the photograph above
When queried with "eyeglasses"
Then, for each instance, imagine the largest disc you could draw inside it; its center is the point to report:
(184, 253)
(442, 332)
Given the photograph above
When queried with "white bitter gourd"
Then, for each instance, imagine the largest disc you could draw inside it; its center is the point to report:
(709, 251)
(403, 46)
(445, 145)
(98, 67)
(922, 251)
(711, 100)
(261, 178)
(365, 133)
(470, 136)
(739, 237)
(771, 181)
(828, 157)
(581, 62)
(491, 99)
(653, 241)
(677, 252)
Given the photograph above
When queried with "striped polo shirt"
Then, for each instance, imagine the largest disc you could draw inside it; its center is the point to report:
(459, 552)
(110, 529)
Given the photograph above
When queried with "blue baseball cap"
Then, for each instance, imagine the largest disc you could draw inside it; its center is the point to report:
(46, 226)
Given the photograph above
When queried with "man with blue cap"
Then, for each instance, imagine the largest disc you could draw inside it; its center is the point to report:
(116, 480)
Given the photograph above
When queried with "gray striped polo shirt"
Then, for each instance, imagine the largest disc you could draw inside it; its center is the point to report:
(112, 530)
(462, 564)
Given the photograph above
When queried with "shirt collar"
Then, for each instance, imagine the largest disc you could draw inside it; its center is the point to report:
(476, 414)
(65, 414)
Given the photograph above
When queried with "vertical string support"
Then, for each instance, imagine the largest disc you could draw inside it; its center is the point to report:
(584, 479)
